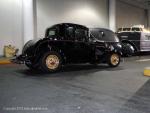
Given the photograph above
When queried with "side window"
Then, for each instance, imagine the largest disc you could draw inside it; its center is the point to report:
(101, 35)
(81, 34)
(136, 29)
(127, 29)
(110, 36)
(119, 30)
(70, 33)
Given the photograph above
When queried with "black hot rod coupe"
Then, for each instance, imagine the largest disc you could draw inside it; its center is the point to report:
(71, 43)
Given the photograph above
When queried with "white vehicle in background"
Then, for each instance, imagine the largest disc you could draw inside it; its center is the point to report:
(134, 39)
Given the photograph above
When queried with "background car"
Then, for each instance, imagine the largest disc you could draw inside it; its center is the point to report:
(134, 40)
(107, 36)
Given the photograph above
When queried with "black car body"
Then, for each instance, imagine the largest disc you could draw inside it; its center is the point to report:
(109, 37)
(70, 43)
(135, 39)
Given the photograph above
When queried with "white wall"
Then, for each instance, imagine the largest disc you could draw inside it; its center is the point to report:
(128, 15)
(10, 23)
(92, 13)
(149, 18)
(28, 20)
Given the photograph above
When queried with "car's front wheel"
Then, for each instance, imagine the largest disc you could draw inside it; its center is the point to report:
(51, 62)
(114, 59)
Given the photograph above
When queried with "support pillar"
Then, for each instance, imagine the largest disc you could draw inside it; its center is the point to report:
(28, 20)
(112, 15)
(149, 19)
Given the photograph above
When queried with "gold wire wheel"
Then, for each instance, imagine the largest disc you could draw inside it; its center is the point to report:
(114, 59)
(52, 62)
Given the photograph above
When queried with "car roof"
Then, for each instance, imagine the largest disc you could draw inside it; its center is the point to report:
(102, 29)
(70, 24)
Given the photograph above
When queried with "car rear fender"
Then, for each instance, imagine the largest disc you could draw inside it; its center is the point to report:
(129, 42)
(44, 47)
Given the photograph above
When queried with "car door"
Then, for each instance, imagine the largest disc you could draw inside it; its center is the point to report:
(145, 41)
(82, 45)
(76, 46)
(98, 40)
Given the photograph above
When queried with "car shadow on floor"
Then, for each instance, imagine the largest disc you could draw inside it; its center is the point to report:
(70, 69)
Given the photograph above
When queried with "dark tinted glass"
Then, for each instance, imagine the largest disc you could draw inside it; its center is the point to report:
(70, 33)
(52, 32)
(104, 35)
(96, 34)
(136, 29)
(126, 29)
(81, 34)
(120, 29)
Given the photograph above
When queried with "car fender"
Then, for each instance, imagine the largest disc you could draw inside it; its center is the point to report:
(127, 41)
(116, 51)
(46, 46)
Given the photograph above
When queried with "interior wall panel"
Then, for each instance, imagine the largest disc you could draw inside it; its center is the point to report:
(10, 23)
(129, 15)
(92, 13)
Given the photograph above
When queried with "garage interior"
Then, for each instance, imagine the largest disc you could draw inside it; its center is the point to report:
(76, 88)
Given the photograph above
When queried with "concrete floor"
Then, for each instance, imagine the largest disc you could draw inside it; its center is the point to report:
(77, 89)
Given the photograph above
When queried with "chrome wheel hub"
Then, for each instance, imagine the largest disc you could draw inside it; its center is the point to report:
(114, 59)
(52, 62)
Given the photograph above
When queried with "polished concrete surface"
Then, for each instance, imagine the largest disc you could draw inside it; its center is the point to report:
(76, 89)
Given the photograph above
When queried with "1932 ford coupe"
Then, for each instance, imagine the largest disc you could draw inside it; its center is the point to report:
(71, 43)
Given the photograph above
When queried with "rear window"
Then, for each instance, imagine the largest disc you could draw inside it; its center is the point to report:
(52, 33)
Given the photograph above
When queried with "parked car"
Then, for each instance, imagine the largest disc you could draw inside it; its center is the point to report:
(134, 40)
(70, 43)
(108, 36)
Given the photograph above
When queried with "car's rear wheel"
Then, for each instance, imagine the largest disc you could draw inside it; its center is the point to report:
(114, 59)
(51, 62)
